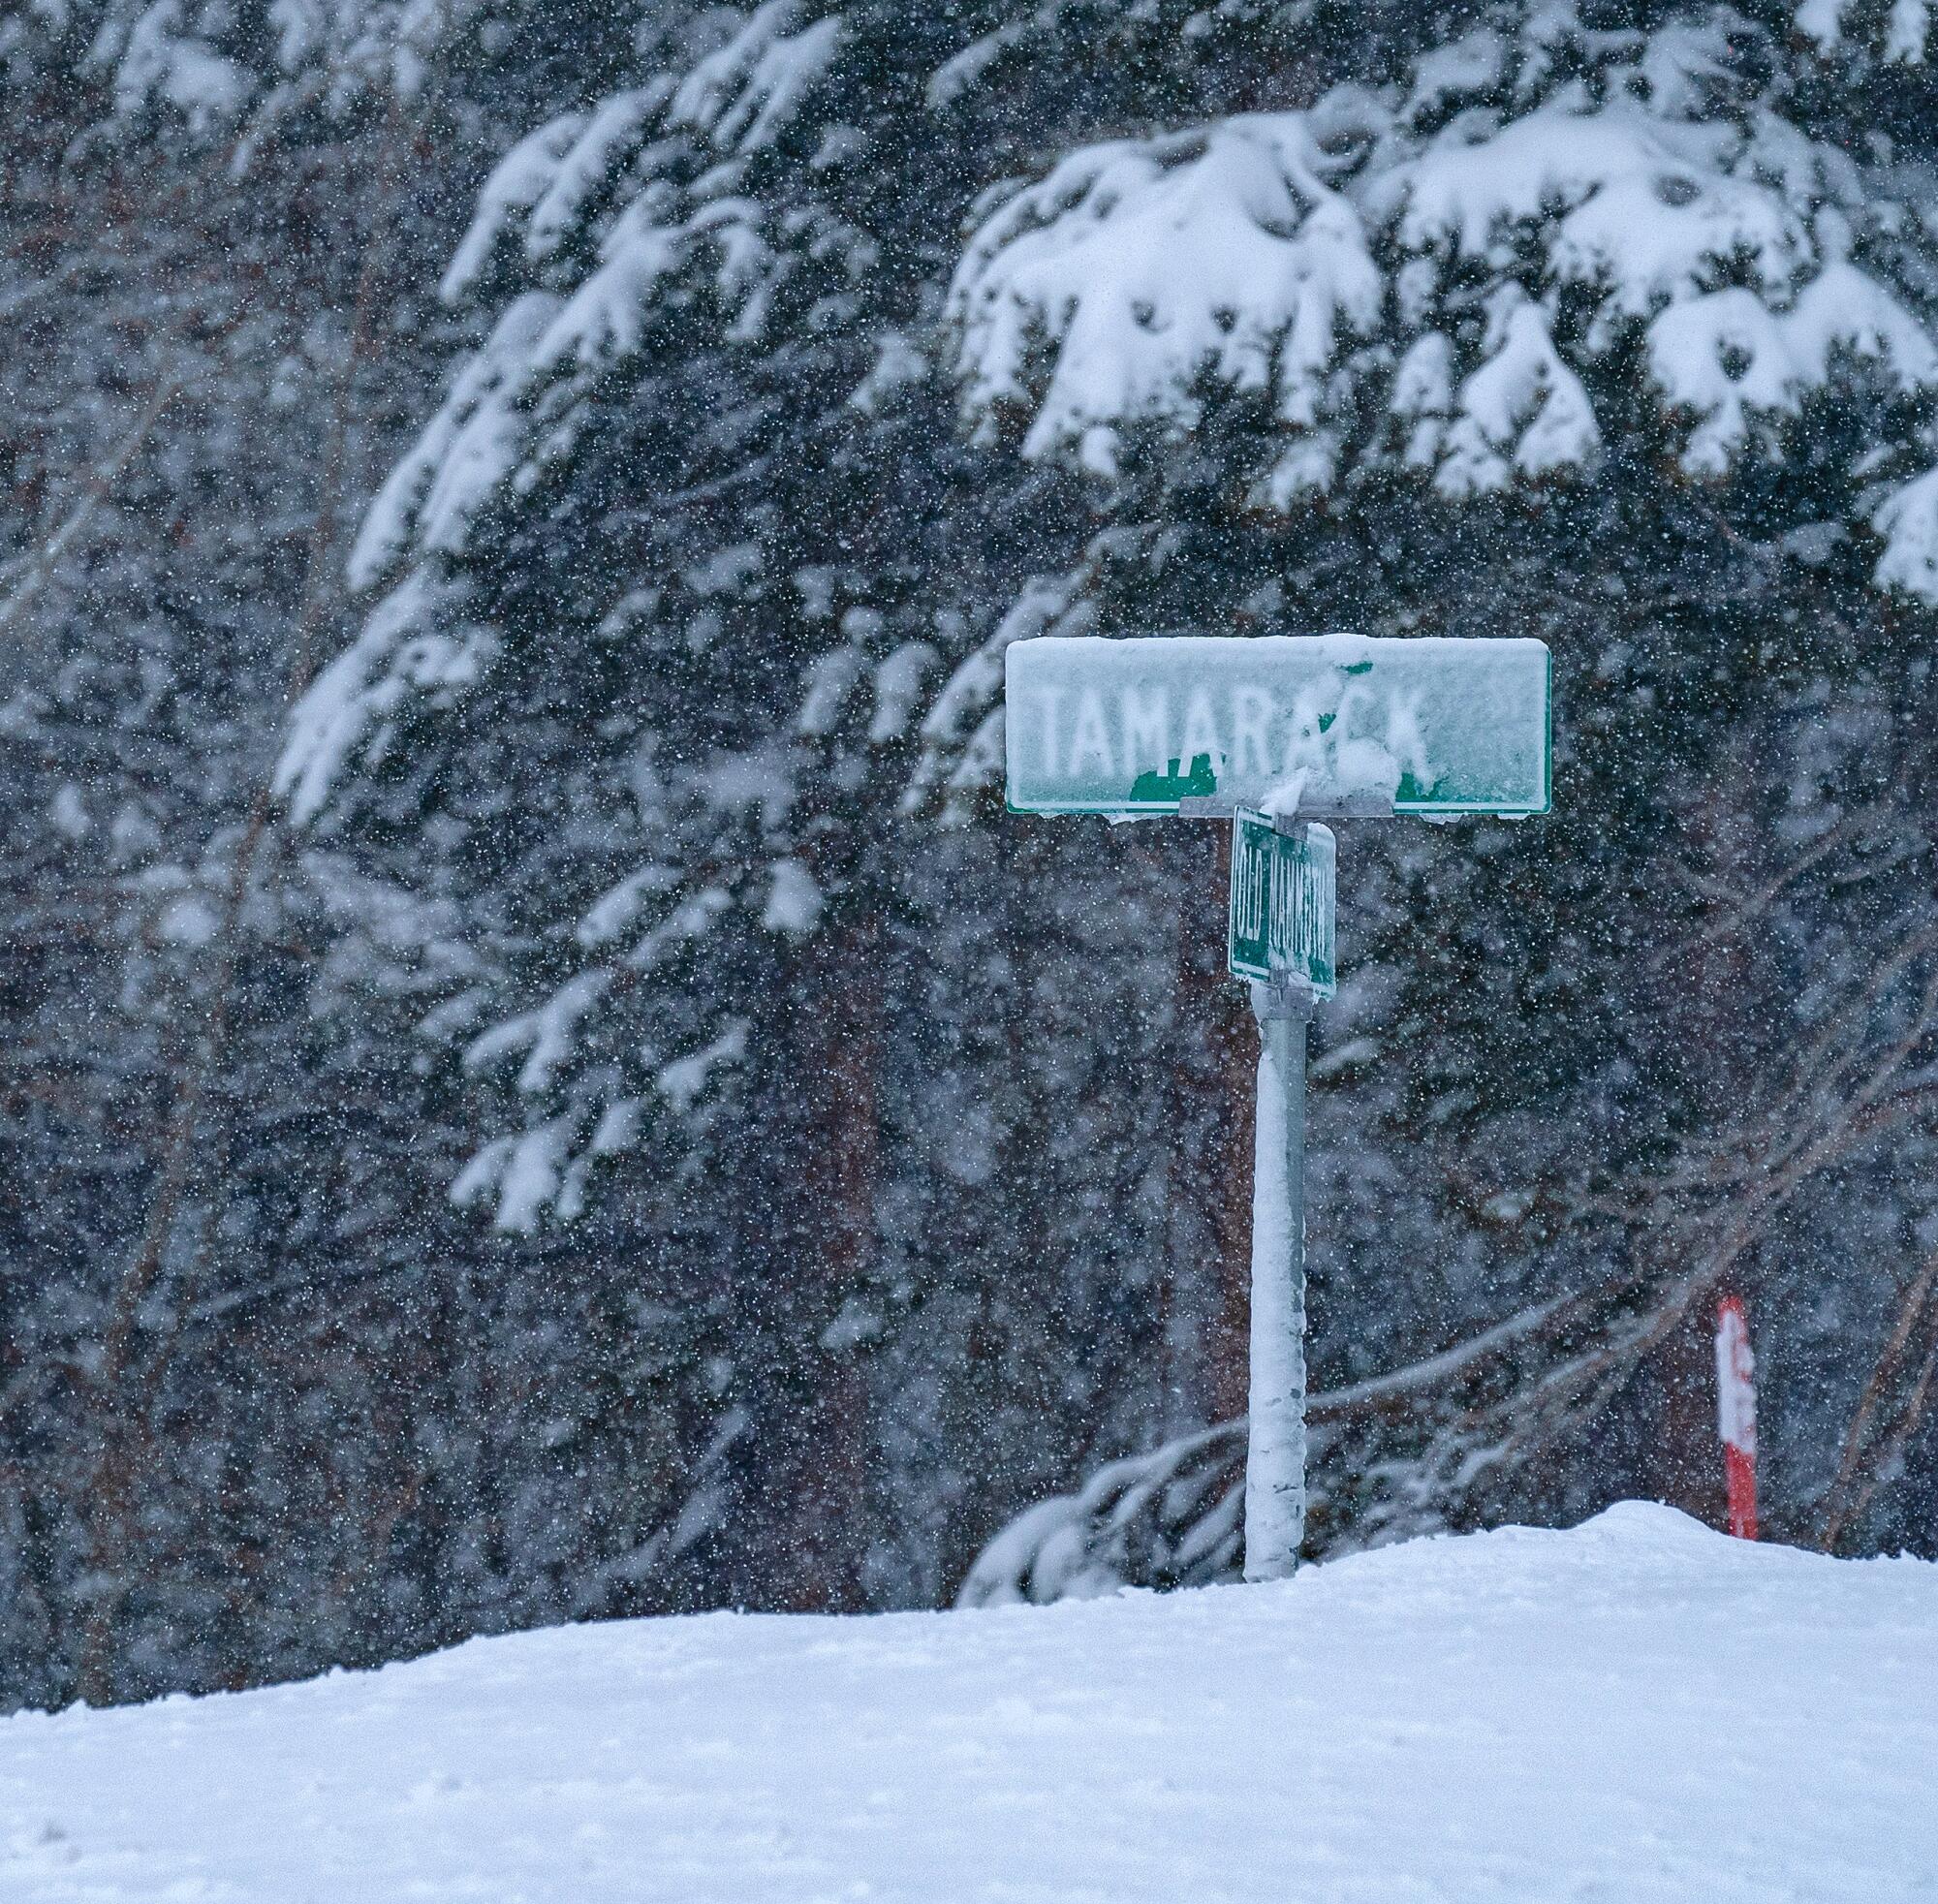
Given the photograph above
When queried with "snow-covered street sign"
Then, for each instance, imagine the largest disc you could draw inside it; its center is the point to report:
(1282, 903)
(1326, 724)
(1272, 730)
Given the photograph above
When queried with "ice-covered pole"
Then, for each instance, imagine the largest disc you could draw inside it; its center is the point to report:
(1736, 1414)
(1275, 1457)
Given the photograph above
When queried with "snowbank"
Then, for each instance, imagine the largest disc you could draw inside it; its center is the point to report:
(1638, 1709)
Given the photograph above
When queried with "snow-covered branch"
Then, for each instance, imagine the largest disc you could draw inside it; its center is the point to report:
(1472, 293)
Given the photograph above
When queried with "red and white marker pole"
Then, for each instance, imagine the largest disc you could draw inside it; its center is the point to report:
(1736, 1414)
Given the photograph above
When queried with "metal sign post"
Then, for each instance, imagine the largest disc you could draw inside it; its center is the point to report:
(1272, 730)
(1736, 1414)
(1275, 1430)
(1280, 937)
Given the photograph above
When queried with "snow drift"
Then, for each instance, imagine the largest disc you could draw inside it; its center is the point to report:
(1639, 1708)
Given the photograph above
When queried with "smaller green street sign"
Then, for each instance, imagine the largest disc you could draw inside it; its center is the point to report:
(1282, 903)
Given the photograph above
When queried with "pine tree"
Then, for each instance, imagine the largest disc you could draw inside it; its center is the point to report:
(1379, 348)
(232, 1451)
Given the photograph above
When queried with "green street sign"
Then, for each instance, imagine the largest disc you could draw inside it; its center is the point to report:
(1282, 903)
(1273, 730)
(1317, 724)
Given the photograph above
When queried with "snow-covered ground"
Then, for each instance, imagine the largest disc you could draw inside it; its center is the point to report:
(1638, 1709)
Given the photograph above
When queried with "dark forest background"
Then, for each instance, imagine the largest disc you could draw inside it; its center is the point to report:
(537, 1083)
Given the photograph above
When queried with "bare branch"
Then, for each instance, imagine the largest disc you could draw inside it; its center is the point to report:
(1859, 1470)
(41, 567)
